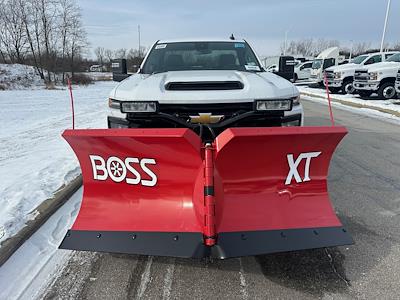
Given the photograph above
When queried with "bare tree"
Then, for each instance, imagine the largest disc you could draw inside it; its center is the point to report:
(100, 53)
(120, 53)
(13, 35)
(47, 14)
(109, 55)
(45, 33)
(322, 44)
(27, 11)
(67, 10)
(77, 40)
(360, 48)
(309, 47)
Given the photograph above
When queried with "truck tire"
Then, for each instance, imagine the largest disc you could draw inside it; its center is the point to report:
(347, 87)
(364, 94)
(387, 91)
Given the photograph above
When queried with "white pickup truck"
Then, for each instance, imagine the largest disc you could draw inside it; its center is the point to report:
(340, 78)
(302, 70)
(327, 58)
(378, 78)
(205, 85)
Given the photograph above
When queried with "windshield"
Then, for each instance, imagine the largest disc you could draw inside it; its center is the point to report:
(359, 59)
(184, 56)
(395, 57)
(317, 64)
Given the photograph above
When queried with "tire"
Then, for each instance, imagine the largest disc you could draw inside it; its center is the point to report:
(348, 88)
(364, 94)
(334, 90)
(387, 91)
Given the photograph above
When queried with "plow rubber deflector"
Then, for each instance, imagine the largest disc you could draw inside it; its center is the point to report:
(162, 192)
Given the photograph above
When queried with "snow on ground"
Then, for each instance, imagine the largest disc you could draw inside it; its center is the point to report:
(19, 77)
(392, 104)
(27, 273)
(34, 159)
(361, 111)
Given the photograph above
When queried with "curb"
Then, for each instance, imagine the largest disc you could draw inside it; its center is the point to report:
(352, 104)
(44, 212)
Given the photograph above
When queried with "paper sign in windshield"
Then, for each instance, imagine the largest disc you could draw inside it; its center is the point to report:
(252, 68)
(161, 46)
(239, 45)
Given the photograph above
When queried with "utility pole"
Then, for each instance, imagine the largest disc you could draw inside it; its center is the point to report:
(139, 41)
(351, 50)
(384, 26)
(284, 49)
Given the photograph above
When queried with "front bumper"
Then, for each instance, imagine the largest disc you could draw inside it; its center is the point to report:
(294, 117)
(315, 78)
(290, 120)
(334, 83)
(397, 85)
(366, 85)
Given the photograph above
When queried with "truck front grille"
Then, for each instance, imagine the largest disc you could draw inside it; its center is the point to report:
(214, 108)
(361, 75)
(330, 75)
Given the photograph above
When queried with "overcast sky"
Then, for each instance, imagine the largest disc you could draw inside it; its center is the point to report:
(113, 24)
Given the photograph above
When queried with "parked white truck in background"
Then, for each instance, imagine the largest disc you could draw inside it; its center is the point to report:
(378, 78)
(340, 78)
(398, 84)
(303, 71)
(327, 58)
(280, 65)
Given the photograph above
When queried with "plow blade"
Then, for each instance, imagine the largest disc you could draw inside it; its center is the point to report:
(272, 190)
(142, 192)
(163, 192)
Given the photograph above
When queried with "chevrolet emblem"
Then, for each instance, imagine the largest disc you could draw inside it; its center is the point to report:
(206, 118)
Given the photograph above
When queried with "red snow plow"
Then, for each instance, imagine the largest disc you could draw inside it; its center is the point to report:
(165, 192)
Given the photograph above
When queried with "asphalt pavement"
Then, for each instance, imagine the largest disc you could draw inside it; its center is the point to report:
(364, 184)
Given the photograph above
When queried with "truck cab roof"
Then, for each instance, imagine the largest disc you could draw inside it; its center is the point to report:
(188, 40)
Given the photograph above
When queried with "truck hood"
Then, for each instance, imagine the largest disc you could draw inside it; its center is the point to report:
(383, 66)
(343, 68)
(259, 85)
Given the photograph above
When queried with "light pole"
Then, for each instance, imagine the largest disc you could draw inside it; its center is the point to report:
(384, 26)
(285, 45)
(351, 50)
(139, 40)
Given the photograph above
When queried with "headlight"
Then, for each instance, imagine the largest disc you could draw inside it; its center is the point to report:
(139, 107)
(338, 75)
(373, 75)
(112, 103)
(274, 105)
(296, 100)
